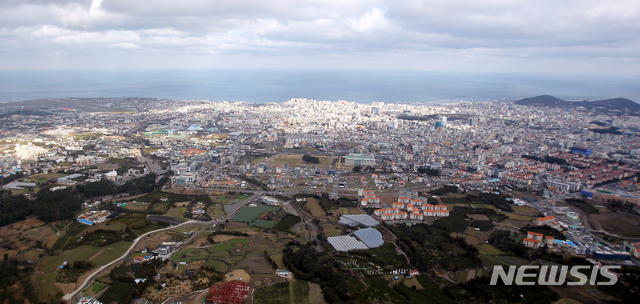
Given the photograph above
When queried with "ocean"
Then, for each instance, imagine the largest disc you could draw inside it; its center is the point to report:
(277, 85)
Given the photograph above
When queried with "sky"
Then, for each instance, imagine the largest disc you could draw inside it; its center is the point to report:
(542, 36)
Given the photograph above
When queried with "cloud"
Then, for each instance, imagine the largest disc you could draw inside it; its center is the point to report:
(512, 34)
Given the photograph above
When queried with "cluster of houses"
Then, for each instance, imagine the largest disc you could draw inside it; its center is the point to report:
(414, 209)
(535, 240)
(523, 174)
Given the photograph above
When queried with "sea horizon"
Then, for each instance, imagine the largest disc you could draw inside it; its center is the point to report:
(278, 85)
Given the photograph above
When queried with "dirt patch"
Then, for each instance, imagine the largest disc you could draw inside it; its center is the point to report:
(27, 224)
(315, 294)
(22, 236)
(478, 217)
(387, 199)
(172, 288)
(237, 274)
(623, 224)
(313, 205)
(256, 263)
(472, 240)
(154, 240)
(181, 204)
(221, 238)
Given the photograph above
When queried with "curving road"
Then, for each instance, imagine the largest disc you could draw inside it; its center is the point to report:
(70, 296)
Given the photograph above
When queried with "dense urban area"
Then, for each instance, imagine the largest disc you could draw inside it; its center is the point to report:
(140, 200)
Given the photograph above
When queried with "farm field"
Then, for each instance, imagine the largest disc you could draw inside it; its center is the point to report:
(277, 294)
(264, 223)
(518, 217)
(137, 206)
(250, 214)
(526, 209)
(488, 249)
(217, 265)
(116, 227)
(47, 287)
(43, 178)
(189, 255)
(50, 264)
(176, 211)
(110, 253)
(313, 205)
(227, 245)
(215, 211)
(623, 224)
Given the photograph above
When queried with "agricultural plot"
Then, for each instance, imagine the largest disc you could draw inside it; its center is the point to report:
(50, 264)
(137, 206)
(189, 255)
(43, 178)
(116, 227)
(217, 265)
(518, 217)
(176, 212)
(47, 287)
(624, 224)
(231, 244)
(215, 211)
(257, 263)
(487, 249)
(160, 207)
(300, 291)
(69, 275)
(526, 209)
(250, 214)
(264, 223)
(93, 289)
(32, 255)
(277, 294)
(110, 253)
(313, 205)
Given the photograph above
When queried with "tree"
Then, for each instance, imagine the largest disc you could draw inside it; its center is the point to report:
(356, 169)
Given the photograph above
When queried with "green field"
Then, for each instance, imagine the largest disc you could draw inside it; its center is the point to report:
(490, 261)
(518, 217)
(227, 245)
(136, 206)
(117, 227)
(489, 250)
(94, 288)
(188, 255)
(111, 253)
(50, 264)
(42, 178)
(250, 214)
(47, 287)
(176, 211)
(264, 223)
(218, 265)
(525, 209)
(300, 291)
(277, 294)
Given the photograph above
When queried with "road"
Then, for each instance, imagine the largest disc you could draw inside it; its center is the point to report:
(70, 296)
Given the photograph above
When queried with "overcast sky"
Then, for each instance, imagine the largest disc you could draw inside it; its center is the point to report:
(565, 36)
